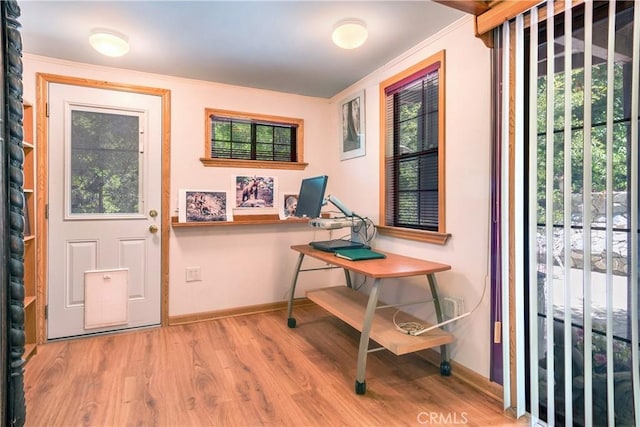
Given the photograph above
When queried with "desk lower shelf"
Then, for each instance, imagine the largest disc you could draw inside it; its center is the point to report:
(349, 305)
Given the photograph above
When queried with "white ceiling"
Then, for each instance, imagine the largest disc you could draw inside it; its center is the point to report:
(283, 46)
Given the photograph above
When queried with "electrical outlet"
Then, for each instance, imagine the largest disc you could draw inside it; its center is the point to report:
(193, 274)
(452, 307)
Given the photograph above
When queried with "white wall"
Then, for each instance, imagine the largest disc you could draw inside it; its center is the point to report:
(468, 133)
(243, 265)
(247, 265)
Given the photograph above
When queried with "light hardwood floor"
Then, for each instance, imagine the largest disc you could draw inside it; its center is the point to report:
(243, 371)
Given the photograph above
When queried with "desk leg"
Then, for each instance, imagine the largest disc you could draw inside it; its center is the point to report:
(347, 277)
(445, 366)
(361, 385)
(291, 322)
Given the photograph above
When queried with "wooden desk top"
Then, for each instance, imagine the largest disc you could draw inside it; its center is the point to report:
(392, 266)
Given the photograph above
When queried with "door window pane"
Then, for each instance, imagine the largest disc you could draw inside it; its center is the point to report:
(105, 163)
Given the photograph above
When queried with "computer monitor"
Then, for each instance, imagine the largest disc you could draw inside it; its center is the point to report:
(311, 196)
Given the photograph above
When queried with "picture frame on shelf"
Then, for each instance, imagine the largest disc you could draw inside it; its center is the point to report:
(288, 205)
(204, 206)
(352, 122)
(255, 192)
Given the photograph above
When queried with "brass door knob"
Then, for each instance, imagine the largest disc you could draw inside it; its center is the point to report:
(153, 213)
(153, 228)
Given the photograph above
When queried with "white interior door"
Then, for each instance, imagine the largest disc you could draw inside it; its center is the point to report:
(104, 210)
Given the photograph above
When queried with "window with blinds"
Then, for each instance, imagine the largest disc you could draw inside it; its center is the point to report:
(414, 143)
(252, 137)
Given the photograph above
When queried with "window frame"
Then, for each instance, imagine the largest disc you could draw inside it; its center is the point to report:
(209, 161)
(440, 236)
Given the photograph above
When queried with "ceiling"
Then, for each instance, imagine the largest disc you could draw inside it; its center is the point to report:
(283, 46)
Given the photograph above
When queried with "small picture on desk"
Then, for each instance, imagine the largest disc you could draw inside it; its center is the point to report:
(288, 205)
(204, 206)
(255, 191)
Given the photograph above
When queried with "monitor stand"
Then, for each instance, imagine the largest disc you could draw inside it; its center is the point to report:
(332, 245)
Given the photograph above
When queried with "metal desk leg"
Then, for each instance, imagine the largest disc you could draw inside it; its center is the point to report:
(347, 277)
(291, 322)
(361, 385)
(445, 366)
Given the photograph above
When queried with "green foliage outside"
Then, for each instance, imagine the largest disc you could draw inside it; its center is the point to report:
(234, 140)
(104, 163)
(417, 144)
(598, 145)
(408, 203)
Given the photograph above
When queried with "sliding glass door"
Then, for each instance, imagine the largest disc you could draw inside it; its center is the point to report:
(582, 198)
(574, 70)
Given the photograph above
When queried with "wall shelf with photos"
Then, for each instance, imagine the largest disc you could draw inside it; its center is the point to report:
(250, 200)
(259, 219)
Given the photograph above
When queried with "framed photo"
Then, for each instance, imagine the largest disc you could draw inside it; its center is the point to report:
(288, 205)
(204, 205)
(254, 192)
(352, 127)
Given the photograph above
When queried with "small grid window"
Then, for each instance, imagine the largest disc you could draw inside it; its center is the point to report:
(247, 137)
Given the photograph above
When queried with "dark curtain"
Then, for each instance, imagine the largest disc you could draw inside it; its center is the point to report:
(12, 219)
(496, 368)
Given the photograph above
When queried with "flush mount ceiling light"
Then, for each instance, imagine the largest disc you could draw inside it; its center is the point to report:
(350, 33)
(109, 43)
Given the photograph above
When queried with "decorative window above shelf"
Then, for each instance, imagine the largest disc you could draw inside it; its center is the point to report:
(250, 140)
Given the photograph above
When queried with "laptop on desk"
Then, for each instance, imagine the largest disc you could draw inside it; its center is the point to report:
(332, 245)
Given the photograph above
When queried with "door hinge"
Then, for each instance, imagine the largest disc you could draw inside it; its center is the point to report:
(46, 109)
(46, 311)
(46, 211)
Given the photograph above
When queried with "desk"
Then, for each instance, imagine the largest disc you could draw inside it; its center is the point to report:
(365, 314)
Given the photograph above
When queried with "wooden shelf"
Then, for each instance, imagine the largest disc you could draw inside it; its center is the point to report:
(29, 350)
(29, 300)
(27, 123)
(31, 236)
(240, 220)
(350, 305)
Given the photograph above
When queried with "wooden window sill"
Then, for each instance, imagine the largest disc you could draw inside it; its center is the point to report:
(418, 235)
(241, 220)
(258, 164)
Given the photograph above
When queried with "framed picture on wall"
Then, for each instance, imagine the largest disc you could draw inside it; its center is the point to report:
(352, 126)
(254, 192)
(204, 206)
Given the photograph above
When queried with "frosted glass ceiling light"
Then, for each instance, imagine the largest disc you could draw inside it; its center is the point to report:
(109, 43)
(350, 33)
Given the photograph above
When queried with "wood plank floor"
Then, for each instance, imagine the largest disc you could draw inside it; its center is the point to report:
(243, 371)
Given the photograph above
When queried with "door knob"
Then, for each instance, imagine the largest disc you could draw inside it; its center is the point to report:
(153, 213)
(153, 228)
